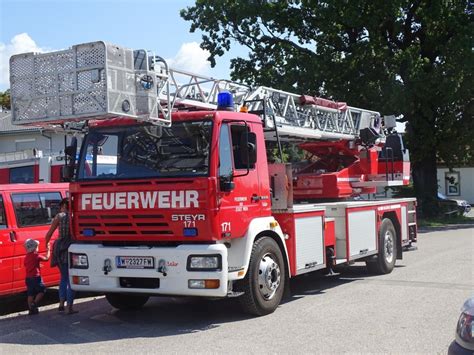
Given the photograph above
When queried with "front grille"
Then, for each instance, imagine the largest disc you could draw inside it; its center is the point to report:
(120, 223)
(113, 225)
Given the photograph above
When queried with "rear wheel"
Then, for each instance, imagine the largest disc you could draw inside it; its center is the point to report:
(264, 284)
(384, 262)
(126, 302)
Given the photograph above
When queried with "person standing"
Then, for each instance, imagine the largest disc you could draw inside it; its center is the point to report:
(60, 255)
(35, 288)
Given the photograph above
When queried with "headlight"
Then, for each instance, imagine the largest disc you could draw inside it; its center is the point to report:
(80, 280)
(79, 261)
(465, 329)
(203, 284)
(204, 263)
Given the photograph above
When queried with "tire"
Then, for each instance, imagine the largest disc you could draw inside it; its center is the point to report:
(385, 260)
(264, 284)
(126, 302)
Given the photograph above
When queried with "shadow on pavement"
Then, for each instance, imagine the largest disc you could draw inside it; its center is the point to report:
(447, 227)
(17, 303)
(161, 316)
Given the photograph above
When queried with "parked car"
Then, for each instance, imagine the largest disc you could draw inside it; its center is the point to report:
(453, 206)
(464, 343)
(26, 211)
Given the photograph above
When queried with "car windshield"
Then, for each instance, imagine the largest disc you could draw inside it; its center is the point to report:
(146, 151)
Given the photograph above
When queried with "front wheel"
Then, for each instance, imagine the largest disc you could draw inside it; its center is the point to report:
(126, 302)
(384, 262)
(264, 284)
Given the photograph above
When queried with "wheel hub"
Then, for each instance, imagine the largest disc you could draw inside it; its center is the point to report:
(388, 246)
(269, 277)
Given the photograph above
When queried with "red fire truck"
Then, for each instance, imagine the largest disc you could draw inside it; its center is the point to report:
(30, 166)
(195, 208)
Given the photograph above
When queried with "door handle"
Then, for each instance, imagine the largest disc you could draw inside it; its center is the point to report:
(255, 198)
(12, 236)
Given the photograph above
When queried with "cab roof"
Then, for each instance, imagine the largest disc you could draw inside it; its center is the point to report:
(182, 116)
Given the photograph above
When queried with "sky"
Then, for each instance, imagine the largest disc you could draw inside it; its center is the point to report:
(48, 25)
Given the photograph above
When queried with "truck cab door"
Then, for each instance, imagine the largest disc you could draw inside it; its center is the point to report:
(6, 251)
(238, 190)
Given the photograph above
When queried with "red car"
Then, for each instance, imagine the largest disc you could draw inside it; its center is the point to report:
(26, 211)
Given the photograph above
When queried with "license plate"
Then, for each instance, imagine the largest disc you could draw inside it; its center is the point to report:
(135, 262)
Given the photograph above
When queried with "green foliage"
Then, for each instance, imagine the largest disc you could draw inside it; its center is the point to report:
(291, 153)
(5, 100)
(409, 58)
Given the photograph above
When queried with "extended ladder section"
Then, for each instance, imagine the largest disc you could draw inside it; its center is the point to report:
(302, 117)
(297, 117)
(190, 91)
(97, 80)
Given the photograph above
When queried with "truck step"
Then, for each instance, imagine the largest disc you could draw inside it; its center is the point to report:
(341, 261)
(233, 294)
(410, 247)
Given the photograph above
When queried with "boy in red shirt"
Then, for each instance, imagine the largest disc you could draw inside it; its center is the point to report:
(35, 288)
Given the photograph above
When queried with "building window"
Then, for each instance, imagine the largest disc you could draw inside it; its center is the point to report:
(24, 144)
(22, 175)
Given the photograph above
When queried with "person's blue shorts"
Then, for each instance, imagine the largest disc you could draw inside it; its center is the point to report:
(34, 285)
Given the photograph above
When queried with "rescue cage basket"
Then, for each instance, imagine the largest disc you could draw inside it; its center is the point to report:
(88, 81)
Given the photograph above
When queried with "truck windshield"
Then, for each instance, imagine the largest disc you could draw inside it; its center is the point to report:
(146, 151)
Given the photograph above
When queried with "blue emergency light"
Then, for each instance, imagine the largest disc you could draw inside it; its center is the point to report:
(190, 232)
(88, 232)
(225, 101)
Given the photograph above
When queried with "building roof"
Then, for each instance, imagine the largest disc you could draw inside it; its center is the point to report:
(7, 127)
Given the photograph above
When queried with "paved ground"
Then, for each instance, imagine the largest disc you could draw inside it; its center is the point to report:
(412, 310)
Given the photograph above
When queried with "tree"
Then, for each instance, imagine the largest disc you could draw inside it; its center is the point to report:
(409, 58)
(5, 100)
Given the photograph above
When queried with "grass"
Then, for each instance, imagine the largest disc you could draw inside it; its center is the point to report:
(443, 221)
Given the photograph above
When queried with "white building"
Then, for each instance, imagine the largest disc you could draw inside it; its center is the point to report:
(22, 148)
(457, 183)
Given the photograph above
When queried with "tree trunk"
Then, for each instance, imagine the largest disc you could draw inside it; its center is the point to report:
(426, 184)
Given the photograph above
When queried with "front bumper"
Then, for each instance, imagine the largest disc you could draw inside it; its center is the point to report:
(176, 281)
(456, 349)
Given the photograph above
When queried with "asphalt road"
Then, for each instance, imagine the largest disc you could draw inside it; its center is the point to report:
(412, 310)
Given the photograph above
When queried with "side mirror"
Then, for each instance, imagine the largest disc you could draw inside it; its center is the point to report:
(67, 172)
(71, 149)
(248, 149)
